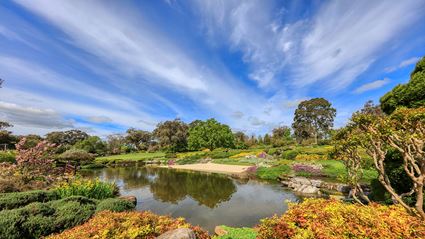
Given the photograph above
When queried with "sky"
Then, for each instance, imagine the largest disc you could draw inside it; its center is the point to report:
(105, 66)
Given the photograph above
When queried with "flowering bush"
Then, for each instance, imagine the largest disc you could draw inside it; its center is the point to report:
(331, 219)
(144, 224)
(88, 188)
(312, 169)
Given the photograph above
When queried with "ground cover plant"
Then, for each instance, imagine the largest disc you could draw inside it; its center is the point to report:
(88, 188)
(331, 219)
(131, 157)
(144, 224)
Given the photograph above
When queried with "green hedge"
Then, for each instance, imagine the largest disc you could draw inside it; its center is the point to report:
(40, 219)
(15, 200)
(115, 205)
(7, 156)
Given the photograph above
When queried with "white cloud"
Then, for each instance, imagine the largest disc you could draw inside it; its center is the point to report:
(402, 64)
(372, 86)
(336, 45)
(34, 117)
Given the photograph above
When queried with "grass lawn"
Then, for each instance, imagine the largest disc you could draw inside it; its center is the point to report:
(239, 233)
(140, 156)
(332, 169)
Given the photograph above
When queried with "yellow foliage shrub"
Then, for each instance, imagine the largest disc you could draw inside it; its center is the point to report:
(144, 224)
(331, 219)
(308, 157)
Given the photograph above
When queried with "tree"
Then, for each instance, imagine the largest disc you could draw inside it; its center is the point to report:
(139, 139)
(93, 145)
(313, 119)
(210, 134)
(115, 143)
(69, 137)
(267, 140)
(403, 131)
(172, 135)
(281, 135)
(31, 140)
(6, 136)
(240, 140)
(410, 95)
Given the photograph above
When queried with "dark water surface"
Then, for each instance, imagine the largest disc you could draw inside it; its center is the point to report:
(203, 199)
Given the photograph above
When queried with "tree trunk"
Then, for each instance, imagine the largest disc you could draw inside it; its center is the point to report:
(420, 200)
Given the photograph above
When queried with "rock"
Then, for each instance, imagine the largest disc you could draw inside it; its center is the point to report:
(219, 231)
(308, 189)
(180, 233)
(131, 199)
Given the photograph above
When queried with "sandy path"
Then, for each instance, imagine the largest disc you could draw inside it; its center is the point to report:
(212, 167)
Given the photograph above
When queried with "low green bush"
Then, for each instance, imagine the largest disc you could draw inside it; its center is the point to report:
(7, 156)
(88, 188)
(289, 154)
(20, 199)
(220, 154)
(38, 219)
(115, 205)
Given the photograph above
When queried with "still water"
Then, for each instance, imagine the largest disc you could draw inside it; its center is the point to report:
(204, 199)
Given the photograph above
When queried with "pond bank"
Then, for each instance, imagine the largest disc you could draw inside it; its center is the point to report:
(212, 168)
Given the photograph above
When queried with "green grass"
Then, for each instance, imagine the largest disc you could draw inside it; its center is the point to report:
(272, 173)
(230, 161)
(238, 233)
(139, 156)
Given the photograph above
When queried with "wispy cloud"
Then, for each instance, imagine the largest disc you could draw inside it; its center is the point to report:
(371, 86)
(402, 64)
(336, 45)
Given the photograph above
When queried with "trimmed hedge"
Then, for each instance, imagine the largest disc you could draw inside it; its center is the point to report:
(115, 205)
(40, 219)
(20, 199)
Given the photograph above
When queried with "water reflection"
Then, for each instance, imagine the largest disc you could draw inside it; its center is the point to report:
(203, 199)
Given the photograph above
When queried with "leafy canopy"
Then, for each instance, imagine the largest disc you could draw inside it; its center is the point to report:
(210, 134)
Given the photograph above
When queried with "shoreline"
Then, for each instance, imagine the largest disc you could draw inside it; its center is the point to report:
(211, 168)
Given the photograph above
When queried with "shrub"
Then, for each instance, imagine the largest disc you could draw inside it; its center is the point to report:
(144, 224)
(15, 200)
(290, 154)
(308, 157)
(331, 219)
(88, 188)
(40, 219)
(77, 155)
(7, 156)
(115, 205)
(310, 169)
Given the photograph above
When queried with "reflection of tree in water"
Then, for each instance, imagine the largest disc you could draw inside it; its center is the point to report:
(171, 185)
(207, 189)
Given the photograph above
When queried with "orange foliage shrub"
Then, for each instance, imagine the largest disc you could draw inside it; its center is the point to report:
(144, 224)
(331, 219)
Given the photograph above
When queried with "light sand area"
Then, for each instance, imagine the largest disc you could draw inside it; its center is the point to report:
(212, 168)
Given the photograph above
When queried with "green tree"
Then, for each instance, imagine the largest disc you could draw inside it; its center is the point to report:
(172, 135)
(139, 139)
(267, 139)
(240, 140)
(210, 134)
(313, 119)
(93, 145)
(69, 137)
(410, 95)
(116, 143)
(6, 136)
(281, 135)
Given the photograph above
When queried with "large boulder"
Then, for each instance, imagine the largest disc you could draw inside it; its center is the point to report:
(180, 233)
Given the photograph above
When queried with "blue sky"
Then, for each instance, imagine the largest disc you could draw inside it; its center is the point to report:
(104, 66)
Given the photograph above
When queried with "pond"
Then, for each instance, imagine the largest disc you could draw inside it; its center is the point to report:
(204, 199)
